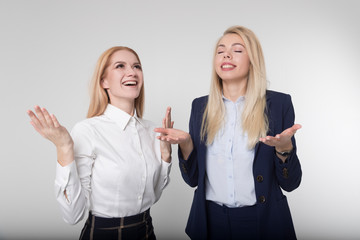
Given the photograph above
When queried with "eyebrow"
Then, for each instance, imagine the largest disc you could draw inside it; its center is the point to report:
(234, 44)
(124, 62)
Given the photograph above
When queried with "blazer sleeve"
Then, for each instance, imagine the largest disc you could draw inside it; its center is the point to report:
(189, 168)
(289, 173)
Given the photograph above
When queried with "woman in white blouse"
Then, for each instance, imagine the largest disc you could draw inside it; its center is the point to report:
(111, 164)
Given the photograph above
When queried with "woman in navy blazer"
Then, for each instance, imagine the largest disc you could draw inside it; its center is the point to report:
(266, 122)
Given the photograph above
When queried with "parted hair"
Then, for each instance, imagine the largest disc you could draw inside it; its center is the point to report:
(254, 118)
(99, 98)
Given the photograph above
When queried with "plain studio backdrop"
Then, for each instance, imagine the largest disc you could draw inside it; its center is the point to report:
(48, 51)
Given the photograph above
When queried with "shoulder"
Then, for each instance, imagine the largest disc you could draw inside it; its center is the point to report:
(200, 101)
(147, 123)
(86, 125)
(277, 97)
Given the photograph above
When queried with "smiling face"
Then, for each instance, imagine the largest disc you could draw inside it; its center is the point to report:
(123, 78)
(231, 59)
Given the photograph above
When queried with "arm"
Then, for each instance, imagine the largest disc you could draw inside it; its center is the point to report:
(187, 153)
(76, 178)
(288, 169)
(68, 189)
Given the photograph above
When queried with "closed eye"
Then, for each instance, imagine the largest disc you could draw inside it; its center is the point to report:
(120, 65)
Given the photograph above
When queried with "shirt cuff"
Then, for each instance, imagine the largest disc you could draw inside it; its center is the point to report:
(166, 167)
(66, 175)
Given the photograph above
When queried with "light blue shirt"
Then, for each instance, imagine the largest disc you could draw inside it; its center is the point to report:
(229, 162)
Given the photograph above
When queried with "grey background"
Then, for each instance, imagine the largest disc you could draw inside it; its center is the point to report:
(48, 50)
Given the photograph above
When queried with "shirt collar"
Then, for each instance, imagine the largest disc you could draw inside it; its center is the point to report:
(240, 99)
(121, 117)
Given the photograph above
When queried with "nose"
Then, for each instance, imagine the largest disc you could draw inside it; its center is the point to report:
(130, 72)
(227, 54)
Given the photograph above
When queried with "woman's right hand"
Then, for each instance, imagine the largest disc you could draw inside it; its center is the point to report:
(49, 127)
(176, 136)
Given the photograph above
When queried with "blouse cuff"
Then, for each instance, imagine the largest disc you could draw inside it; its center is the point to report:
(66, 175)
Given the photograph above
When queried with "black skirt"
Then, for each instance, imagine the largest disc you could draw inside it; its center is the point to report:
(133, 227)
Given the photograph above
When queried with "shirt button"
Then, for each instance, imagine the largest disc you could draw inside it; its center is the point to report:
(230, 177)
(262, 199)
(139, 197)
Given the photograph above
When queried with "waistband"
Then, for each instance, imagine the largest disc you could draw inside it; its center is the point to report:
(100, 222)
(237, 211)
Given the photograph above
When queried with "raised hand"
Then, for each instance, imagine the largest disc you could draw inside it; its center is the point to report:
(165, 147)
(176, 136)
(282, 142)
(49, 127)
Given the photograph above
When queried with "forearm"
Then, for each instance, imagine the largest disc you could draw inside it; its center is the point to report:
(65, 154)
(186, 148)
(284, 149)
(289, 172)
(69, 193)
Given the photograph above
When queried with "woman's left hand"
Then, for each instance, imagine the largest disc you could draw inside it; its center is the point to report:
(282, 142)
(165, 147)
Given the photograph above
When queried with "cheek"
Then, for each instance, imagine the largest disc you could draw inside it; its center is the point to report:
(217, 64)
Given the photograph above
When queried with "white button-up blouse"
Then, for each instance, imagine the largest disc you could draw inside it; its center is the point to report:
(117, 170)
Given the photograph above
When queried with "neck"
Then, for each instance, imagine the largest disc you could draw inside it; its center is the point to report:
(127, 106)
(232, 90)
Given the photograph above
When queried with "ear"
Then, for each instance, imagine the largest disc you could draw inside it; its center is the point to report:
(104, 83)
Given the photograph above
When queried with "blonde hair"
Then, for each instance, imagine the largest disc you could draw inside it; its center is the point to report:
(99, 98)
(254, 118)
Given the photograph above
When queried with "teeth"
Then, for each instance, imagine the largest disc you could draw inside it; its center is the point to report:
(227, 66)
(130, 83)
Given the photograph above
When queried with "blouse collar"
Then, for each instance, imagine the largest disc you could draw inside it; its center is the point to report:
(121, 117)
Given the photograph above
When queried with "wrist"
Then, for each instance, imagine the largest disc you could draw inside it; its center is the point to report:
(166, 159)
(186, 147)
(284, 154)
(65, 147)
(288, 148)
(65, 154)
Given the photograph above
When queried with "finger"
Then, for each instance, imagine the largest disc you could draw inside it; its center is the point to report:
(164, 123)
(168, 122)
(55, 121)
(47, 117)
(168, 117)
(172, 124)
(40, 116)
(34, 119)
(268, 140)
(292, 130)
(36, 128)
(296, 127)
(161, 130)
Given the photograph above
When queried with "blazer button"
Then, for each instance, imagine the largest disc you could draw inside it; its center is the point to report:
(285, 173)
(262, 199)
(259, 178)
(184, 168)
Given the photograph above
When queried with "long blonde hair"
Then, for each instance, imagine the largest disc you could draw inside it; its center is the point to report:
(99, 98)
(254, 118)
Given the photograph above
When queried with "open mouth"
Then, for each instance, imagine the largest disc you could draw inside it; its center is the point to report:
(130, 83)
(227, 66)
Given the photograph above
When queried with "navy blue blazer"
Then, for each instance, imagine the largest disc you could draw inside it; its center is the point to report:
(270, 173)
